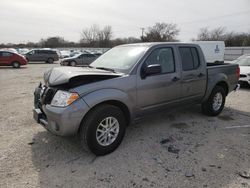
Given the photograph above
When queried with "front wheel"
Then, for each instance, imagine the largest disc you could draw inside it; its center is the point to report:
(16, 64)
(215, 103)
(103, 129)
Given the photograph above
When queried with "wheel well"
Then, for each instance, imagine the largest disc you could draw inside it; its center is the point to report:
(118, 104)
(223, 85)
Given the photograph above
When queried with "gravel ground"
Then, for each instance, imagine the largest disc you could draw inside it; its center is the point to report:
(181, 148)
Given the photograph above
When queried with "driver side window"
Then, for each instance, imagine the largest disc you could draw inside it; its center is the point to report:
(163, 57)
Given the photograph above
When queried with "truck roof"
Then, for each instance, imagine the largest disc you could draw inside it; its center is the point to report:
(150, 44)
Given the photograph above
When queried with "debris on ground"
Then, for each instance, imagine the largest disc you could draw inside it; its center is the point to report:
(189, 174)
(203, 169)
(244, 174)
(167, 140)
(31, 143)
(173, 149)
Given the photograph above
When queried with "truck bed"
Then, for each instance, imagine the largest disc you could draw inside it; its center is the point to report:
(225, 71)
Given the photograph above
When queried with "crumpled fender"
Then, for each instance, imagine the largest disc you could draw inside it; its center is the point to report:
(99, 96)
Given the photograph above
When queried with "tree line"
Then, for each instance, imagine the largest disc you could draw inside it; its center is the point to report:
(95, 36)
(221, 34)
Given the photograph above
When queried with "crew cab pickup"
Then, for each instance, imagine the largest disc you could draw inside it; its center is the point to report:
(128, 82)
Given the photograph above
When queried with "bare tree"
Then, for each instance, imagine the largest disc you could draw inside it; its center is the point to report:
(218, 33)
(161, 32)
(208, 35)
(105, 36)
(90, 35)
(204, 34)
(96, 37)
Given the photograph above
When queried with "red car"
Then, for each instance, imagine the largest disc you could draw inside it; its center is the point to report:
(12, 59)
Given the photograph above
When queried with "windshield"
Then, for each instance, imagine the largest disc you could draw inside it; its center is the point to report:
(244, 62)
(121, 58)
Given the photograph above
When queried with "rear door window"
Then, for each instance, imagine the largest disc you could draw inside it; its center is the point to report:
(190, 58)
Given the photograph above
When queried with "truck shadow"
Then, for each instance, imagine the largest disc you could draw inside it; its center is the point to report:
(61, 162)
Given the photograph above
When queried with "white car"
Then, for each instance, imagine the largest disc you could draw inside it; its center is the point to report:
(244, 64)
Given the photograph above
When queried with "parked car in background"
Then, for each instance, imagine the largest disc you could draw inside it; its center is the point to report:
(47, 55)
(126, 83)
(80, 59)
(244, 63)
(97, 54)
(23, 51)
(74, 53)
(64, 54)
(12, 59)
(214, 51)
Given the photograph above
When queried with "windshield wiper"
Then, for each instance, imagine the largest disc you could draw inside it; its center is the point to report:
(104, 68)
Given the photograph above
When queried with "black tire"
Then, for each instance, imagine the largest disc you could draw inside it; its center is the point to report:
(207, 106)
(16, 64)
(88, 129)
(50, 60)
(72, 63)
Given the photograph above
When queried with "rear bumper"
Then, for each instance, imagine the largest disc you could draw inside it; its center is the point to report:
(61, 121)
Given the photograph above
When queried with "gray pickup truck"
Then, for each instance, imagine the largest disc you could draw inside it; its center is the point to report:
(98, 101)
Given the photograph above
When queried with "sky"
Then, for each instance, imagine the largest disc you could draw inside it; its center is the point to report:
(31, 20)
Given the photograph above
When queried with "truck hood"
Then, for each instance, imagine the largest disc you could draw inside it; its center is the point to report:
(244, 69)
(74, 76)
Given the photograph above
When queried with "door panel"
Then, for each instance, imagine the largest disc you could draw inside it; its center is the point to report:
(193, 83)
(157, 91)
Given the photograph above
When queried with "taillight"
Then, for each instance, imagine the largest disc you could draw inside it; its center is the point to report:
(238, 72)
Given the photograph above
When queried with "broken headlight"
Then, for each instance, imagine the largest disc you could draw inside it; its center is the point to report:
(63, 98)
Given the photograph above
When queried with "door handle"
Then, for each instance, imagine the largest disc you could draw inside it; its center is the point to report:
(201, 75)
(175, 79)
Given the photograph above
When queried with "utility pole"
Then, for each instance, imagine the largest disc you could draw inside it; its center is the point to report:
(142, 32)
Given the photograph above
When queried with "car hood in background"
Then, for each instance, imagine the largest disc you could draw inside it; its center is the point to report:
(74, 76)
(244, 69)
(69, 58)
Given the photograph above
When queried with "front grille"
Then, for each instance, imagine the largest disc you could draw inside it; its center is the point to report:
(48, 95)
(243, 76)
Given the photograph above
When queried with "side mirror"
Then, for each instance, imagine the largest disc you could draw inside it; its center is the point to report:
(150, 70)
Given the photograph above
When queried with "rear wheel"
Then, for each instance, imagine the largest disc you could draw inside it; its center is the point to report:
(215, 103)
(72, 63)
(103, 129)
(16, 64)
(50, 60)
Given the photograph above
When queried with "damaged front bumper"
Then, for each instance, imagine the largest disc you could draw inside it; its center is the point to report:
(63, 121)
